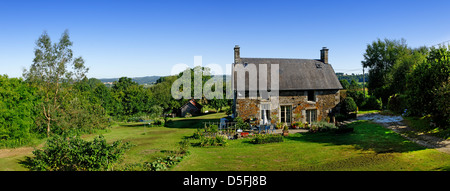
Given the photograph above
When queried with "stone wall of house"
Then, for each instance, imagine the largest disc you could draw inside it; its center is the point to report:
(247, 108)
(325, 102)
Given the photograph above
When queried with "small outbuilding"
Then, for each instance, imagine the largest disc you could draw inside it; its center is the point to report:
(191, 107)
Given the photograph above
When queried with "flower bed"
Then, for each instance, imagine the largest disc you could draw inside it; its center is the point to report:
(266, 138)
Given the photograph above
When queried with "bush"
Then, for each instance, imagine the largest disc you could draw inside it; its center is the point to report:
(340, 117)
(241, 124)
(18, 112)
(373, 103)
(322, 126)
(268, 138)
(441, 113)
(358, 96)
(158, 122)
(218, 140)
(348, 105)
(160, 164)
(75, 154)
(397, 103)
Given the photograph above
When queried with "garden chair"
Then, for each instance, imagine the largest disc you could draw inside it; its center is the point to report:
(273, 128)
(267, 128)
(260, 128)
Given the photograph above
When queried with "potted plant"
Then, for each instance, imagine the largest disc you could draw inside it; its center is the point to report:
(285, 129)
(296, 125)
(279, 125)
(306, 125)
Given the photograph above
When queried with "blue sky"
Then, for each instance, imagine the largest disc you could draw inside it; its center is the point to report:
(144, 38)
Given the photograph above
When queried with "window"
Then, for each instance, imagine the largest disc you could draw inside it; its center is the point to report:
(265, 113)
(311, 115)
(311, 96)
(286, 114)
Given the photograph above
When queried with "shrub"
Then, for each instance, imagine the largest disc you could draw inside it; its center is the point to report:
(441, 113)
(158, 122)
(241, 124)
(218, 140)
(396, 103)
(322, 126)
(76, 154)
(358, 96)
(197, 135)
(268, 138)
(160, 164)
(18, 112)
(212, 128)
(184, 146)
(348, 105)
(340, 117)
(373, 103)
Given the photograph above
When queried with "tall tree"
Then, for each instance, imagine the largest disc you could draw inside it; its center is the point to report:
(53, 69)
(380, 57)
(428, 86)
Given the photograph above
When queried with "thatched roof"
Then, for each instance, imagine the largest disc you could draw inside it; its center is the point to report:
(294, 74)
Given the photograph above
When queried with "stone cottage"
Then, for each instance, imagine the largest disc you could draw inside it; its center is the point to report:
(305, 90)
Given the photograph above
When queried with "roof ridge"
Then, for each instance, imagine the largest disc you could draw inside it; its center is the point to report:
(283, 58)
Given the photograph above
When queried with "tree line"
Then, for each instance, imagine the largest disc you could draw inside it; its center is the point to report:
(55, 97)
(412, 81)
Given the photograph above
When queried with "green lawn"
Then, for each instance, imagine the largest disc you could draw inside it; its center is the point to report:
(369, 147)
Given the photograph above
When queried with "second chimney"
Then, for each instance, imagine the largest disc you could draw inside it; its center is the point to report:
(324, 55)
(237, 56)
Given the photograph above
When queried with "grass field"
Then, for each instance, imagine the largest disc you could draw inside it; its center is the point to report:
(369, 147)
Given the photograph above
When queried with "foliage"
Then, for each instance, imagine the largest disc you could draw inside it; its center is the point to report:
(218, 140)
(51, 75)
(372, 103)
(380, 57)
(358, 96)
(17, 111)
(240, 124)
(397, 103)
(197, 134)
(348, 105)
(266, 138)
(442, 111)
(344, 83)
(75, 154)
(184, 146)
(322, 126)
(340, 117)
(160, 164)
(187, 115)
(427, 84)
(218, 103)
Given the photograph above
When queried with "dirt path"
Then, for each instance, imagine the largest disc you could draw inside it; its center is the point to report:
(396, 124)
(5, 153)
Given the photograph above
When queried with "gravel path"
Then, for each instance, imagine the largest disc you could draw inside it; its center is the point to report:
(396, 124)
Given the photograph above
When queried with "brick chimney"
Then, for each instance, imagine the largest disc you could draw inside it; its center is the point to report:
(324, 55)
(237, 54)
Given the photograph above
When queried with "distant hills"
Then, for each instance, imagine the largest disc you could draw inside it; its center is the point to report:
(140, 80)
(149, 80)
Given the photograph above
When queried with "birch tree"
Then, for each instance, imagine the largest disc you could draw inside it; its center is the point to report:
(53, 70)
